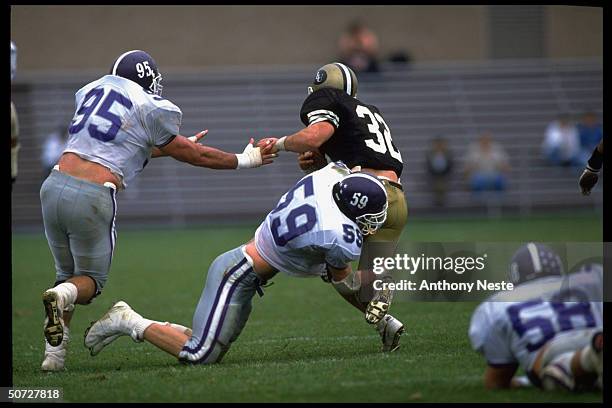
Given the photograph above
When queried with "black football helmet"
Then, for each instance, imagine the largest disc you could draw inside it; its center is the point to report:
(532, 261)
(140, 67)
(363, 199)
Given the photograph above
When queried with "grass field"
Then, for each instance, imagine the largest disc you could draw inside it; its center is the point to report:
(302, 342)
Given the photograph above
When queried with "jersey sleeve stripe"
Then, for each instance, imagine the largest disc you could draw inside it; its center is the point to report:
(322, 111)
(323, 118)
(315, 116)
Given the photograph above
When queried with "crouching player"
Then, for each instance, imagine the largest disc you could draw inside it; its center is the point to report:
(316, 229)
(555, 333)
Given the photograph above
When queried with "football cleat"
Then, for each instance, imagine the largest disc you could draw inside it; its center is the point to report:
(54, 325)
(390, 330)
(120, 320)
(379, 305)
(55, 356)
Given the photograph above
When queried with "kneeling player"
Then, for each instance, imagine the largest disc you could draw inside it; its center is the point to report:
(555, 334)
(316, 229)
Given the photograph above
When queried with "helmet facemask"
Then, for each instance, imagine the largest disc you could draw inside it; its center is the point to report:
(370, 223)
(156, 87)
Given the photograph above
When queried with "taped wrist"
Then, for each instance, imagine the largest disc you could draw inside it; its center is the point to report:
(595, 162)
(249, 159)
(349, 285)
(280, 143)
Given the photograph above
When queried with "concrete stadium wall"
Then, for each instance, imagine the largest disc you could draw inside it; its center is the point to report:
(90, 37)
(574, 31)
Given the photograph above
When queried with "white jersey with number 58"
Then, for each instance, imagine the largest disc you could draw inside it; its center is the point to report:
(117, 123)
(306, 230)
(514, 332)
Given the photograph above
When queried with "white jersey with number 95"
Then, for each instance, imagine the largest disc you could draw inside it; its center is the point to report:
(117, 123)
(306, 230)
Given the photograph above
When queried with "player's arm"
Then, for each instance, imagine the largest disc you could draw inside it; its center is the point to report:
(311, 161)
(590, 174)
(500, 376)
(183, 149)
(156, 152)
(347, 283)
(308, 139)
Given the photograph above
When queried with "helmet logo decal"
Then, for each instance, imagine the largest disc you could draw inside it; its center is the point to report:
(320, 77)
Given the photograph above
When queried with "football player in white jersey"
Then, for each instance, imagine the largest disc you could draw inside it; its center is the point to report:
(316, 229)
(121, 121)
(550, 325)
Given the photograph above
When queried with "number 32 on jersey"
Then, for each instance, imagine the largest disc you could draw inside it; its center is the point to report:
(382, 143)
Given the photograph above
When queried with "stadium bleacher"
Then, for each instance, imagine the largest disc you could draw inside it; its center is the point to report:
(514, 100)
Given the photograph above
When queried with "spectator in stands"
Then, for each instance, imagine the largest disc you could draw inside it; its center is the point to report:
(52, 149)
(358, 47)
(439, 166)
(561, 144)
(486, 165)
(590, 132)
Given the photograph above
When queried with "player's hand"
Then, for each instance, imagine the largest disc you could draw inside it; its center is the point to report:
(268, 142)
(196, 138)
(311, 161)
(268, 153)
(587, 181)
(253, 156)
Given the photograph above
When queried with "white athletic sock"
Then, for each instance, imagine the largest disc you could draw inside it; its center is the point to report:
(140, 325)
(68, 292)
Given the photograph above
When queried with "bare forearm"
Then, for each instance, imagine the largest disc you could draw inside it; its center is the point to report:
(303, 141)
(203, 156)
(348, 284)
(214, 158)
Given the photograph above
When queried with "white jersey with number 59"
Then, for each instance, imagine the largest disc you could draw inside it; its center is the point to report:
(306, 230)
(117, 123)
(514, 332)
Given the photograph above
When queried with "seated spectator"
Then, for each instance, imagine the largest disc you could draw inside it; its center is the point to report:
(561, 144)
(486, 165)
(358, 47)
(439, 166)
(590, 132)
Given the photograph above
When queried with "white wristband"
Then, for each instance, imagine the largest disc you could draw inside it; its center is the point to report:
(280, 143)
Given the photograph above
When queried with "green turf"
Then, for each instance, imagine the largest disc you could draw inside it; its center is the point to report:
(302, 341)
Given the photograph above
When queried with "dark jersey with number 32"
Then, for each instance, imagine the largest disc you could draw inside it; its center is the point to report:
(362, 137)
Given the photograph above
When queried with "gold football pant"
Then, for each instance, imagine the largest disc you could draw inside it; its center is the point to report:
(384, 243)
